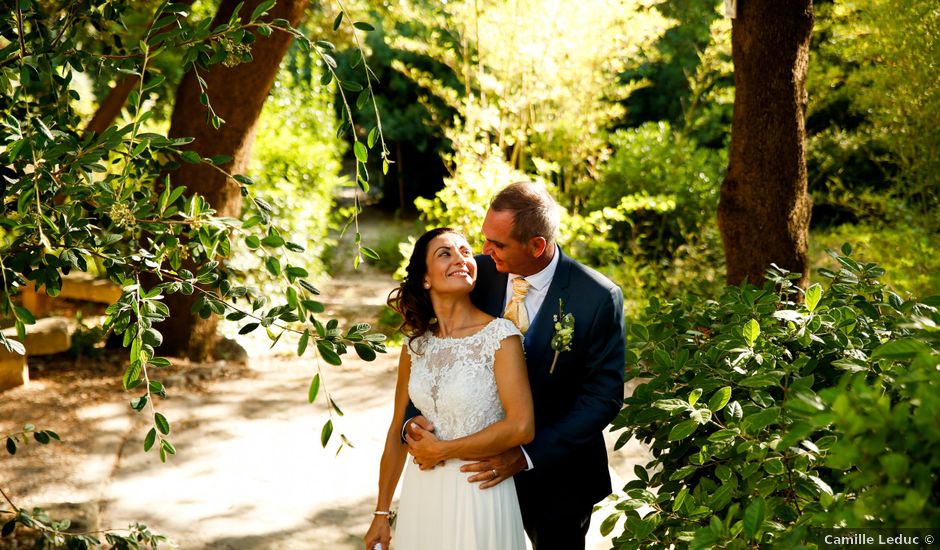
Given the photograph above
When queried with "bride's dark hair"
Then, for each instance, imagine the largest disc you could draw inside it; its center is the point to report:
(411, 300)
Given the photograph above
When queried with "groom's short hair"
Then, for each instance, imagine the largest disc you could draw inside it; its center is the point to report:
(535, 212)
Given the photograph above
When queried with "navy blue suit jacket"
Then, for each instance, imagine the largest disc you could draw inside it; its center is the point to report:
(576, 402)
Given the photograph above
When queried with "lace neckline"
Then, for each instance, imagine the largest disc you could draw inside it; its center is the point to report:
(432, 336)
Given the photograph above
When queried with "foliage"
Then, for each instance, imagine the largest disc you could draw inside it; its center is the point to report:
(536, 79)
(667, 64)
(874, 100)
(480, 172)
(755, 407)
(296, 162)
(55, 533)
(906, 249)
(86, 202)
(658, 188)
(895, 47)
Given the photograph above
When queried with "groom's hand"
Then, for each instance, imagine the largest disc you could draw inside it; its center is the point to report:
(494, 470)
(415, 431)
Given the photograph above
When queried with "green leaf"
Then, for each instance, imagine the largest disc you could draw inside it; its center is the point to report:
(373, 134)
(753, 423)
(672, 405)
(754, 517)
(314, 388)
(762, 380)
(327, 353)
(906, 348)
(326, 432)
(161, 423)
(273, 265)
(362, 154)
(150, 439)
(262, 7)
(11, 446)
(682, 430)
(680, 499)
(132, 374)
(191, 157)
(751, 332)
(774, 466)
(813, 294)
(719, 399)
(609, 523)
(365, 351)
(24, 315)
(369, 253)
(8, 528)
(694, 396)
(302, 344)
(683, 473)
(338, 21)
(363, 26)
(273, 241)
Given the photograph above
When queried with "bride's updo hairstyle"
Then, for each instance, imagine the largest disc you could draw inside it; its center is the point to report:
(411, 300)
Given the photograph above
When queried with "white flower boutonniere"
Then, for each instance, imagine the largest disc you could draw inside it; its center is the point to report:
(564, 333)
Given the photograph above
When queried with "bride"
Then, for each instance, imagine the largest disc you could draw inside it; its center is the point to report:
(466, 372)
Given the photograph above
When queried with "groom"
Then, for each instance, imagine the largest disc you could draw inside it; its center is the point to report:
(522, 275)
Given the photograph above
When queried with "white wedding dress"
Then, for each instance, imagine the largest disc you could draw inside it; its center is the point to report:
(453, 384)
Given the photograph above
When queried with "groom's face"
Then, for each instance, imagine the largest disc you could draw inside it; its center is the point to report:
(509, 255)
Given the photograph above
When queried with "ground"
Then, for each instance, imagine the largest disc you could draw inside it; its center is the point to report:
(250, 472)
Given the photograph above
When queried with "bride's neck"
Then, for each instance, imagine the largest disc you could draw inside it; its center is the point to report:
(453, 314)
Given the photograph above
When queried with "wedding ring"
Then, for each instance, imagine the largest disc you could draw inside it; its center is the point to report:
(495, 474)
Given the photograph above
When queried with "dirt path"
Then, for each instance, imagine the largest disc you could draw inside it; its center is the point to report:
(250, 472)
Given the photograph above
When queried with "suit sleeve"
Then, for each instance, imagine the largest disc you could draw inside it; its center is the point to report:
(410, 412)
(600, 395)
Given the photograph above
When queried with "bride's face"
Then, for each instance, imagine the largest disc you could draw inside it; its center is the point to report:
(451, 267)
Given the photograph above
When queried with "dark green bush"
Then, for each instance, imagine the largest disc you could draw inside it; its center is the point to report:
(657, 189)
(767, 417)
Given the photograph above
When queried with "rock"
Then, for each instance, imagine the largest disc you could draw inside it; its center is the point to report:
(229, 350)
(77, 286)
(47, 336)
(90, 289)
(13, 369)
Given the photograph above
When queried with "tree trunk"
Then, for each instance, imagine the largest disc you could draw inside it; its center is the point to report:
(237, 94)
(764, 211)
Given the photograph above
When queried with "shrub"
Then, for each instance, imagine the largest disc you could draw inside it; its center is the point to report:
(664, 187)
(758, 411)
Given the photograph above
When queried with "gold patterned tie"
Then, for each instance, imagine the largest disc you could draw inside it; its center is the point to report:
(515, 310)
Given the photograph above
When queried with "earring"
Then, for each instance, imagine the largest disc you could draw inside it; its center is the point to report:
(427, 285)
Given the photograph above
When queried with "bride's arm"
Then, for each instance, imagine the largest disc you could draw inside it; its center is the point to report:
(517, 428)
(393, 458)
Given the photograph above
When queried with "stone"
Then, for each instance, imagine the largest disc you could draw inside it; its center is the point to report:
(77, 286)
(13, 369)
(47, 336)
(90, 289)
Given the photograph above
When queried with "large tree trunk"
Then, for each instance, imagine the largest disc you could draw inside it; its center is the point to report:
(237, 94)
(764, 210)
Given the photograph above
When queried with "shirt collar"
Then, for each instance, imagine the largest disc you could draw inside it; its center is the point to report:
(541, 280)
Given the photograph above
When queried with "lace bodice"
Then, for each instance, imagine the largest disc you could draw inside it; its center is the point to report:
(452, 380)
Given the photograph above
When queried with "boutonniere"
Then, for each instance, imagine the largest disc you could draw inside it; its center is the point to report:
(564, 332)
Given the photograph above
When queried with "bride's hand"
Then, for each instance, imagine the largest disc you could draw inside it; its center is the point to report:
(379, 531)
(426, 448)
